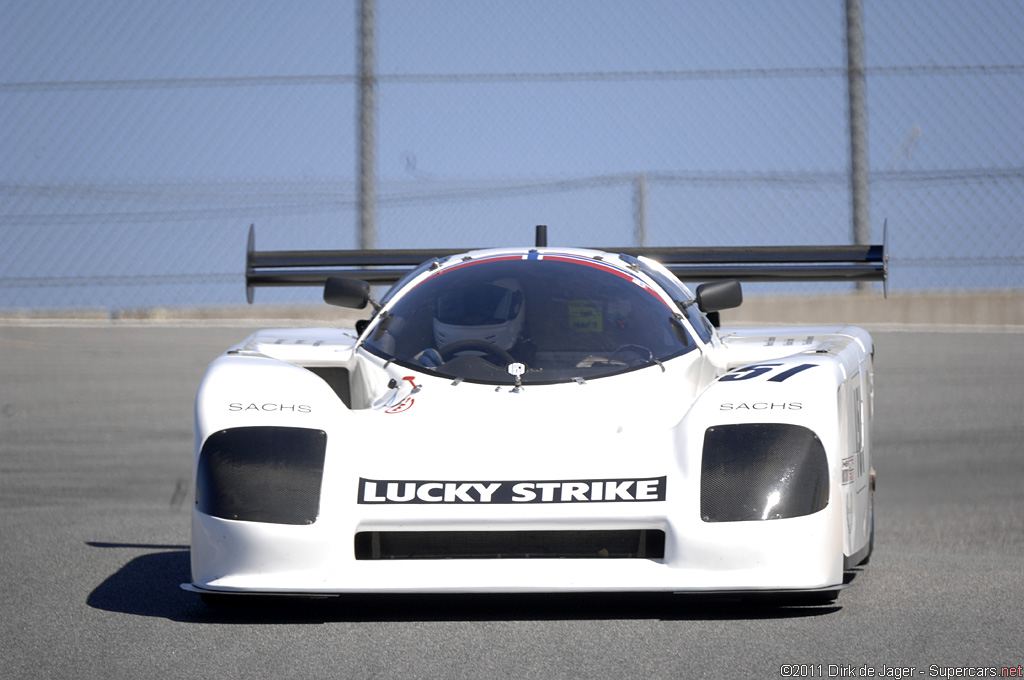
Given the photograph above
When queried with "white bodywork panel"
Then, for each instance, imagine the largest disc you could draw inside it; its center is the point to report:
(416, 452)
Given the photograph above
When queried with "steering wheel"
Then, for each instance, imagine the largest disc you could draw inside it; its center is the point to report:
(489, 349)
(642, 353)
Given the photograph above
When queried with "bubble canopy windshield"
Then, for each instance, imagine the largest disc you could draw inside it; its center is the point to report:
(540, 319)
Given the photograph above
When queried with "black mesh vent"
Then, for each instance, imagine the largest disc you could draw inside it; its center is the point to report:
(427, 545)
(262, 474)
(338, 379)
(761, 471)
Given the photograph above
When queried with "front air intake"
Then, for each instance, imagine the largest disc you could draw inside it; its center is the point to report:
(467, 545)
(339, 380)
(262, 474)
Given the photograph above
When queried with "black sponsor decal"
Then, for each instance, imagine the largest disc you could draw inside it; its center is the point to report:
(570, 491)
(270, 407)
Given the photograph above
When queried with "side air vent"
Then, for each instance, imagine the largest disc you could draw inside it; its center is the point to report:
(262, 474)
(432, 545)
(338, 379)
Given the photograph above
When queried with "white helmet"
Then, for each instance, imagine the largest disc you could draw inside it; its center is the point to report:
(491, 312)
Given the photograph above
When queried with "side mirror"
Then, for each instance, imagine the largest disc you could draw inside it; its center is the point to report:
(344, 292)
(712, 297)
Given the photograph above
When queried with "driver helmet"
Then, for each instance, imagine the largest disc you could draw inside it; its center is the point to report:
(491, 312)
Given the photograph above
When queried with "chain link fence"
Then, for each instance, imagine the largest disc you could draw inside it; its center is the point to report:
(140, 140)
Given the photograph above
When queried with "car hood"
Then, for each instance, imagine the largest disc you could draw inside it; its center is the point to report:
(471, 431)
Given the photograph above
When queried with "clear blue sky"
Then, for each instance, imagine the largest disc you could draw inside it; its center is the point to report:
(121, 158)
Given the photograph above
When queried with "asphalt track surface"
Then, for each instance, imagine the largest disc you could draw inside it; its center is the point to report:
(95, 454)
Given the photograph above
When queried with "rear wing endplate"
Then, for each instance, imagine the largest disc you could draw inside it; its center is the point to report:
(755, 263)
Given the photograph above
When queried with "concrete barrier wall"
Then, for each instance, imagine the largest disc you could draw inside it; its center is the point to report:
(980, 309)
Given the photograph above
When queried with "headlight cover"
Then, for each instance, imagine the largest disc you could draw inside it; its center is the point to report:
(262, 474)
(761, 471)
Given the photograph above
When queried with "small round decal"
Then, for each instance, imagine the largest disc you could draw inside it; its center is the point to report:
(401, 406)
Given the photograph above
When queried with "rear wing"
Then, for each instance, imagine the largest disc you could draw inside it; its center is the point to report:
(756, 263)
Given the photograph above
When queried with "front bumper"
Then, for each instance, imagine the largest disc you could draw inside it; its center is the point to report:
(789, 554)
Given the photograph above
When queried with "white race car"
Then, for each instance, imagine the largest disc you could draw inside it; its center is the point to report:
(538, 419)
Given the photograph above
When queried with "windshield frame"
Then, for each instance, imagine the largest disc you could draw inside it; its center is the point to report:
(677, 336)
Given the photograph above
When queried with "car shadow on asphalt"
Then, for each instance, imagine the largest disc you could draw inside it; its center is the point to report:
(148, 585)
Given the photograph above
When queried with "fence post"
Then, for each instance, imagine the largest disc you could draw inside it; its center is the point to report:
(640, 210)
(858, 123)
(367, 125)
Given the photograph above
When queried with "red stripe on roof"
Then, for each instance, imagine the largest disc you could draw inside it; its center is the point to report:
(562, 257)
